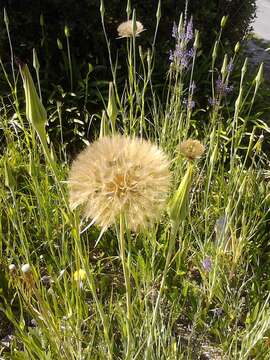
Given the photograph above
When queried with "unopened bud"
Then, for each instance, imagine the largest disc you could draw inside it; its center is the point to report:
(158, 13)
(237, 47)
(102, 8)
(59, 44)
(41, 20)
(66, 31)
(224, 66)
(223, 21)
(196, 41)
(259, 77)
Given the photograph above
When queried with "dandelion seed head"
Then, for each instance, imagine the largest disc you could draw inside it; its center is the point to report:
(12, 267)
(191, 149)
(126, 29)
(120, 175)
(26, 268)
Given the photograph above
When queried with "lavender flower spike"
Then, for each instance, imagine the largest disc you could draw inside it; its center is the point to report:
(189, 30)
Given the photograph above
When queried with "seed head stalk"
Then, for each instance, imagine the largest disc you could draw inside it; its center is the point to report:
(126, 272)
(91, 283)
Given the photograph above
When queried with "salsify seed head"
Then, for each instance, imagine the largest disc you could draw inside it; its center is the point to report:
(120, 175)
(126, 29)
(191, 149)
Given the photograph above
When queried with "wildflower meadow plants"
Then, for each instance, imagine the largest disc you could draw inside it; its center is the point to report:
(153, 243)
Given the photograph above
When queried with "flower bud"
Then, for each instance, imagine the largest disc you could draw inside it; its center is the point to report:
(237, 47)
(66, 31)
(36, 64)
(41, 20)
(59, 44)
(223, 21)
(35, 111)
(196, 41)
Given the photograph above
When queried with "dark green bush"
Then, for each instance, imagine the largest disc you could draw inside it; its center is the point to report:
(87, 40)
(88, 45)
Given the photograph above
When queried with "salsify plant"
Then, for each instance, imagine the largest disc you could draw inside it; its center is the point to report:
(153, 242)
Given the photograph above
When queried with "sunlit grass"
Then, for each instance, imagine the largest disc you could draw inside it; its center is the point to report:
(194, 283)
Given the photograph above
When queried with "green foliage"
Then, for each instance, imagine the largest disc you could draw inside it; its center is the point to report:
(169, 292)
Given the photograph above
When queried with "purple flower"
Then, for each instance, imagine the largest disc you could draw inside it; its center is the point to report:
(171, 55)
(207, 263)
(175, 31)
(222, 88)
(217, 312)
(213, 102)
(189, 103)
(189, 30)
(190, 53)
(181, 56)
(193, 86)
(230, 66)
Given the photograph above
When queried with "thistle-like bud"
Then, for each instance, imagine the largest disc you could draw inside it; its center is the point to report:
(181, 24)
(178, 206)
(224, 66)
(214, 53)
(67, 31)
(104, 128)
(35, 61)
(158, 13)
(223, 21)
(102, 9)
(59, 44)
(244, 67)
(9, 178)
(41, 20)
(35, 111)
(237, 47)
(197, 40)
(6, 20)
(259, 76)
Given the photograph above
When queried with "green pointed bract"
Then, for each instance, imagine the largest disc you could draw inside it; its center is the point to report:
(178, 206)
(35, 111)
(9, 178)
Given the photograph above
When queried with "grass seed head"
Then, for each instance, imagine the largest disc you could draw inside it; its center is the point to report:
(126, 29)
(120, 175)
(191, 149)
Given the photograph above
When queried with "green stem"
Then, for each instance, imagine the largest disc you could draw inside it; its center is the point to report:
(127, 281)
(161, 289)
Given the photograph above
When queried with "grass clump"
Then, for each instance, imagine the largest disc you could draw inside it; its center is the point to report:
(191, 285)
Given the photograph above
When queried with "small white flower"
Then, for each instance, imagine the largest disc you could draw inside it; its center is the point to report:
(26, 268)
(12, 267)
